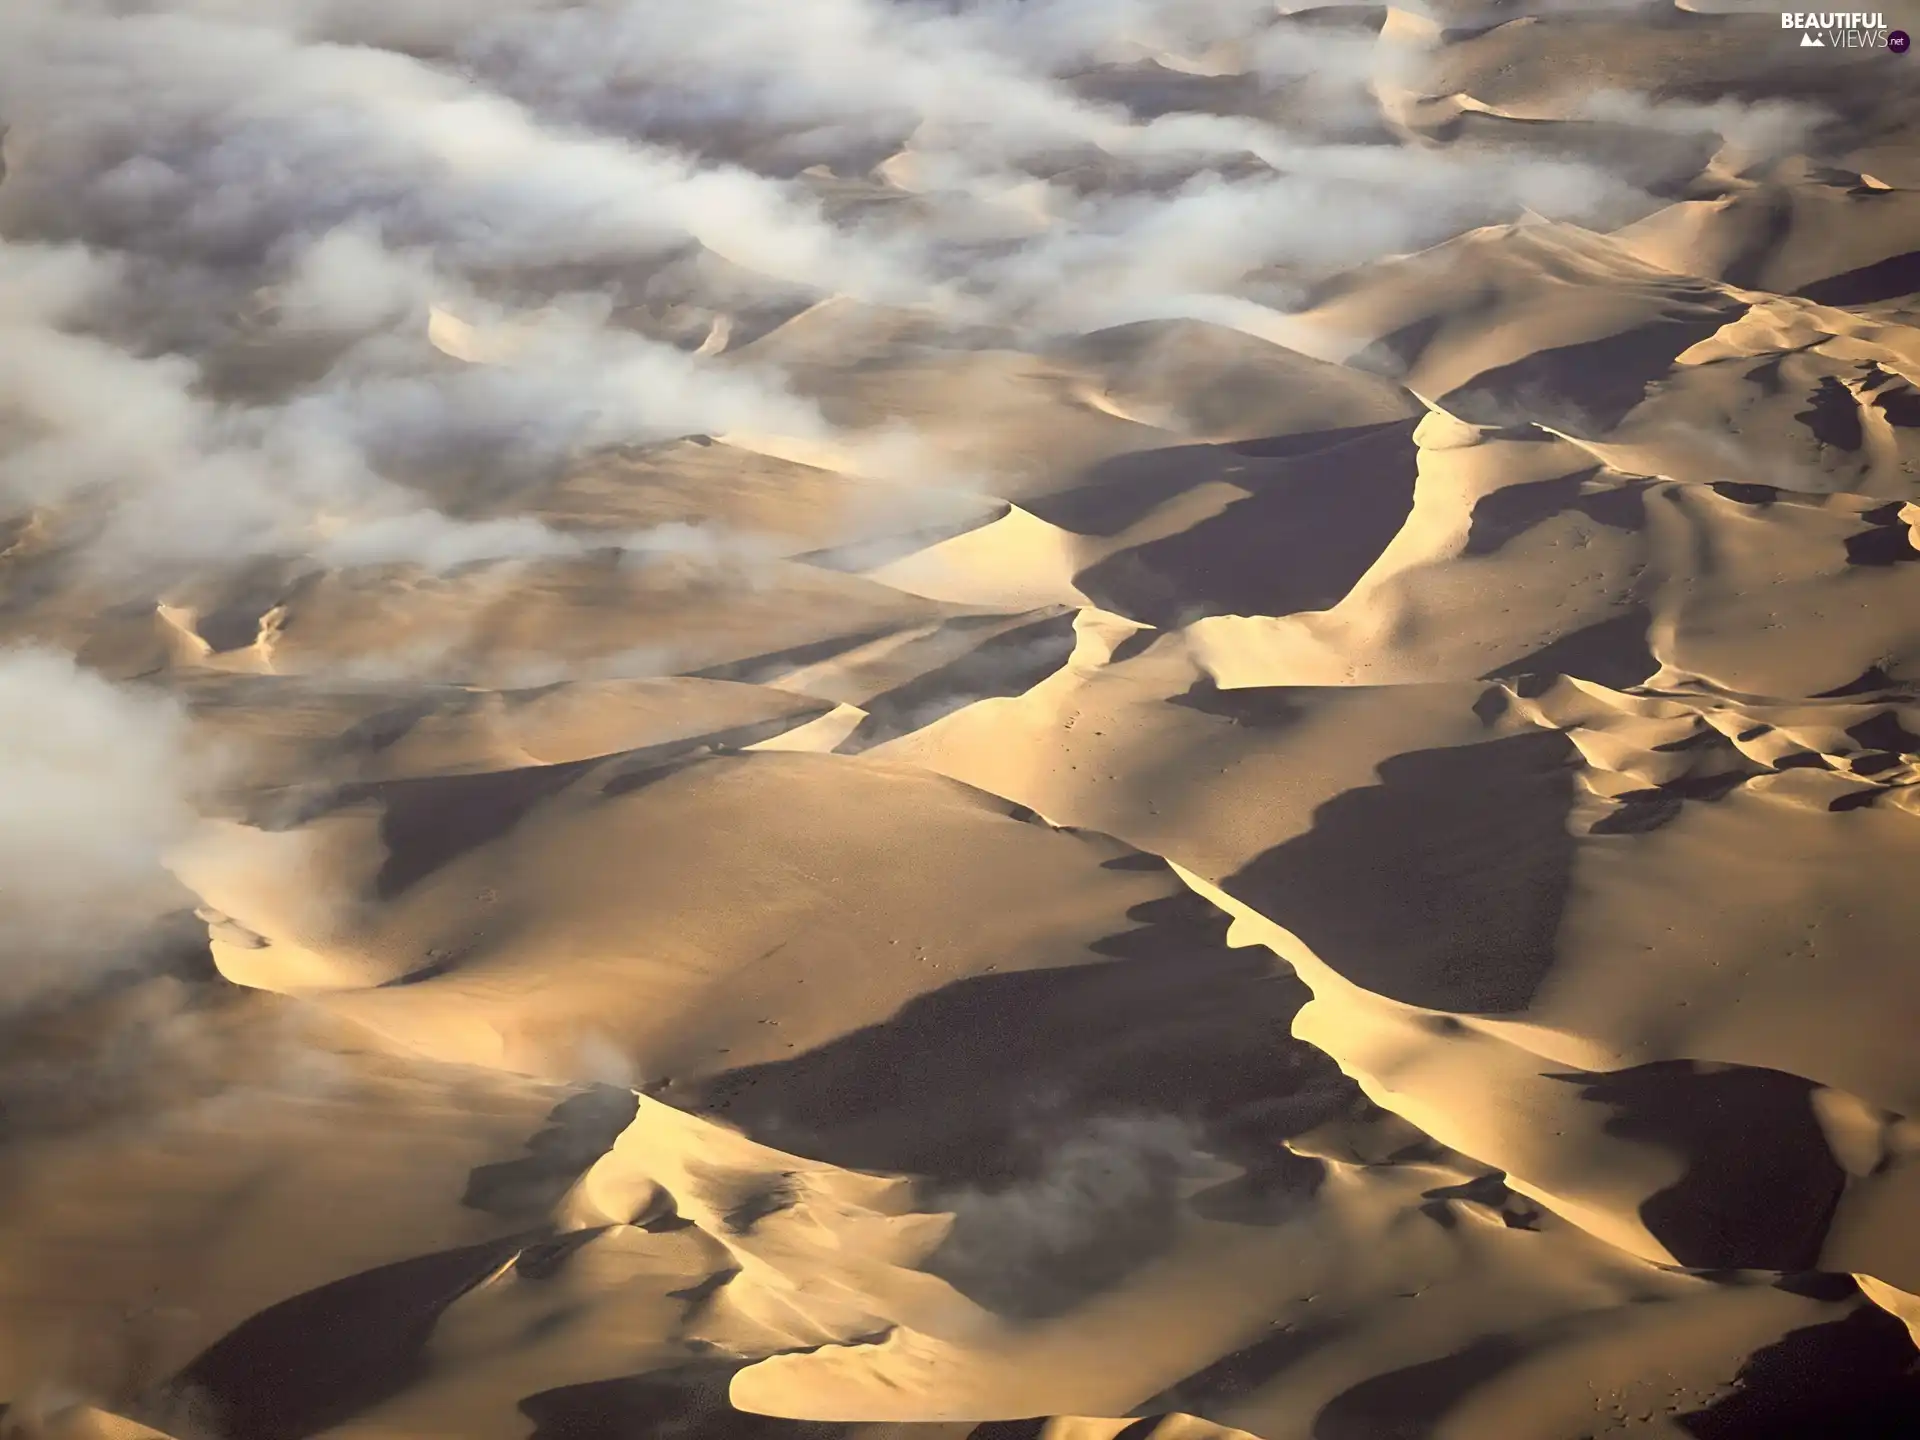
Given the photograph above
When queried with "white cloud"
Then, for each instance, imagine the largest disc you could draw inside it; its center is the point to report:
(96, 783)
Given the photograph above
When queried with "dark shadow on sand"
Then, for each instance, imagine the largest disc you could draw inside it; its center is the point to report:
(580, 1129)
(1508, 513)
(1406, 1404)
(1055, 1111)
(1008, 663)
(1614, 653)
(687, 1402)
(1851, 1379)
(1265, 707)
(1314, 525)
(1761, 1182)
(1440, 886)
(1121, 491)
(428, 823)
(1889, 542)
(1174, 1023)
(316, 1360)
(1833, 415)
(1235, 1376)
(1583, 390)
(1887, 279)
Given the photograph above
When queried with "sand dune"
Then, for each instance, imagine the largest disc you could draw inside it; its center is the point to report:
(1217, 384)
(881, 722)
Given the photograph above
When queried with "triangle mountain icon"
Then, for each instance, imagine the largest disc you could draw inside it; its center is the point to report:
(1808, 40)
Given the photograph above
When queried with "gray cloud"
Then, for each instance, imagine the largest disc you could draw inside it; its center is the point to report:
(1759, 129)
(1103, 1199)
(236, 219)
(97, 782)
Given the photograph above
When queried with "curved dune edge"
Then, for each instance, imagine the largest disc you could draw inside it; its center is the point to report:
(1018, 562)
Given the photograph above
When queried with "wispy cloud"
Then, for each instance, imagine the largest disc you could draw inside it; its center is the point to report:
(96, 782)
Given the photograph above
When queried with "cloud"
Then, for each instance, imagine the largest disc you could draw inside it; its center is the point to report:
(97, 781)
(183, 477)
(225, 227)
(1102, 1200)
(221, 247)
(1760, 129)
(174, 134)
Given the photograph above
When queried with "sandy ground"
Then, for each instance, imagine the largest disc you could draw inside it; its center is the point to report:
(856, 721)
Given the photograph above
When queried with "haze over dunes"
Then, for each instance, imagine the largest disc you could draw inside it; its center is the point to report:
(987, 720)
